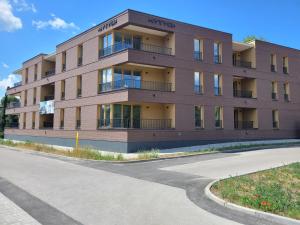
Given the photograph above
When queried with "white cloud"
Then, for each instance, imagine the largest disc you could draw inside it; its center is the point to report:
(55, 23)
(8, 21)
(9, 81)
(22, 5)
(5, 66)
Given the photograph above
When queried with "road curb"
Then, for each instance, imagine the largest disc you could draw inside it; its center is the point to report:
(259, 214)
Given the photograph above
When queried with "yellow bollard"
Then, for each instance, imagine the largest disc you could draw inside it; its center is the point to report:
(77, 137)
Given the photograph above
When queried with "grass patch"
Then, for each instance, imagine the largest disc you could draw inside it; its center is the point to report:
(276, 190)
(83, 153)
(152, 154)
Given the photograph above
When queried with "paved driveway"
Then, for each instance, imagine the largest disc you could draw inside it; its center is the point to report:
(55, 190)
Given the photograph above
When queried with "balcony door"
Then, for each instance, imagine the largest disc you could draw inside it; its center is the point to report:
(137, 42)
(236, 118)
(127, 116)
(136, 116)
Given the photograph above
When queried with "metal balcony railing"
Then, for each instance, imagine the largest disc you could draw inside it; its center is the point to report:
(78, 124)
(243, 125)
(137, 46)
(61, 126)
(79, 61)
(62, 97)
(49, 73)
(49, 97)
(198, 123)
(275, 124)
(156, 124)
(79, 92)
(274, 95)
(285, 70)
(198, 55)
(35, 77)
(33, 125)
(240, 63)
(286, 97)
(217, 91)
(12, 105)
(12, 125)
(217, 59)
(135, 84)
(242, 94)
(273, 68)
(198, 89)
(63, 67)
(218, 124)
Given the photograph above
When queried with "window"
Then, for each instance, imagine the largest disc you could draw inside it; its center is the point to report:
(286, 88)
(219, 117)
(62, 119)
(26, 75)
(79, 86)
(33, 120)
(285, 65)
(273, 63)
(117, 115)
(35, 71)
(80, 54)
(199, 117)
(34, 95)
(63, 87)
(24, 120)
(105, 45)
(105, 80)
(274, 90)
(217, 52)
(78, 117)
(217, 84)
(275, 119)
(64, 60)
(104, 115)
(25, 98)
(198, 49)
(198, 83)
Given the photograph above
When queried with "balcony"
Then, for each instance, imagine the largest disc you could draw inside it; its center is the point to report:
(47, 125)
(79, 61)
(244, 64)
(242, 93)
(156, 124)
(135, 84)
(198, 56)
(13, 105)
(17, 84)
(61, 125)
(140, 46)
(62, 97)
(285, 70)
(274, 96)
(63, 67)
(49, 73)
(48, 97)
(244, 125)
(198, 89)
(35, 77)
(79, 92)
(33, 125)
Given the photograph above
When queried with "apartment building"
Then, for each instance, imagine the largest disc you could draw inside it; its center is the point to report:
(138, 81)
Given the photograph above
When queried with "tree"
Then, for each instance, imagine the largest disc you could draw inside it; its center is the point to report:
(4, 118)
(253, 37)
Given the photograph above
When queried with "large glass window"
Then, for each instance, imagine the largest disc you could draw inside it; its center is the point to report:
(218, 117)
(136, 116)
(117, 115)
(137, 79)
(106, 79)
(198, 116)
(197, 49)
(198, 84)
(217, 84)
(217, 52)
(127, 116)
(104, 117)
(106, 44)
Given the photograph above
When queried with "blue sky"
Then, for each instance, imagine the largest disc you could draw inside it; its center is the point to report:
(28, 27)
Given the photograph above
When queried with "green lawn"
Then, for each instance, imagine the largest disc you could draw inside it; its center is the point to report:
(276, 190)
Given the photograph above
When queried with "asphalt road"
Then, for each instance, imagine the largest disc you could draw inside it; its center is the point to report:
(57, 190)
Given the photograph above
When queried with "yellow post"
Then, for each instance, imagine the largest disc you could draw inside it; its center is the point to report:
(77, 137)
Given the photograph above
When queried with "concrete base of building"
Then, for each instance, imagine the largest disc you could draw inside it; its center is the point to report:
(117, 146)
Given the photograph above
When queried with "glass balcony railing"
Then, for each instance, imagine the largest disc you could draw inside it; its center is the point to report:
(135, 84)
(156, 124)
(241, 63)
(243, 124)
(49, 73)
(242, 94)
(137, 46)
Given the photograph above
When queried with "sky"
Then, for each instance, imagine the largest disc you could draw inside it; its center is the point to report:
(29, 27)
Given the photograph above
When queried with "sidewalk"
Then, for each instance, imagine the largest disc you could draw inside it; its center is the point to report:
(11, 214)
